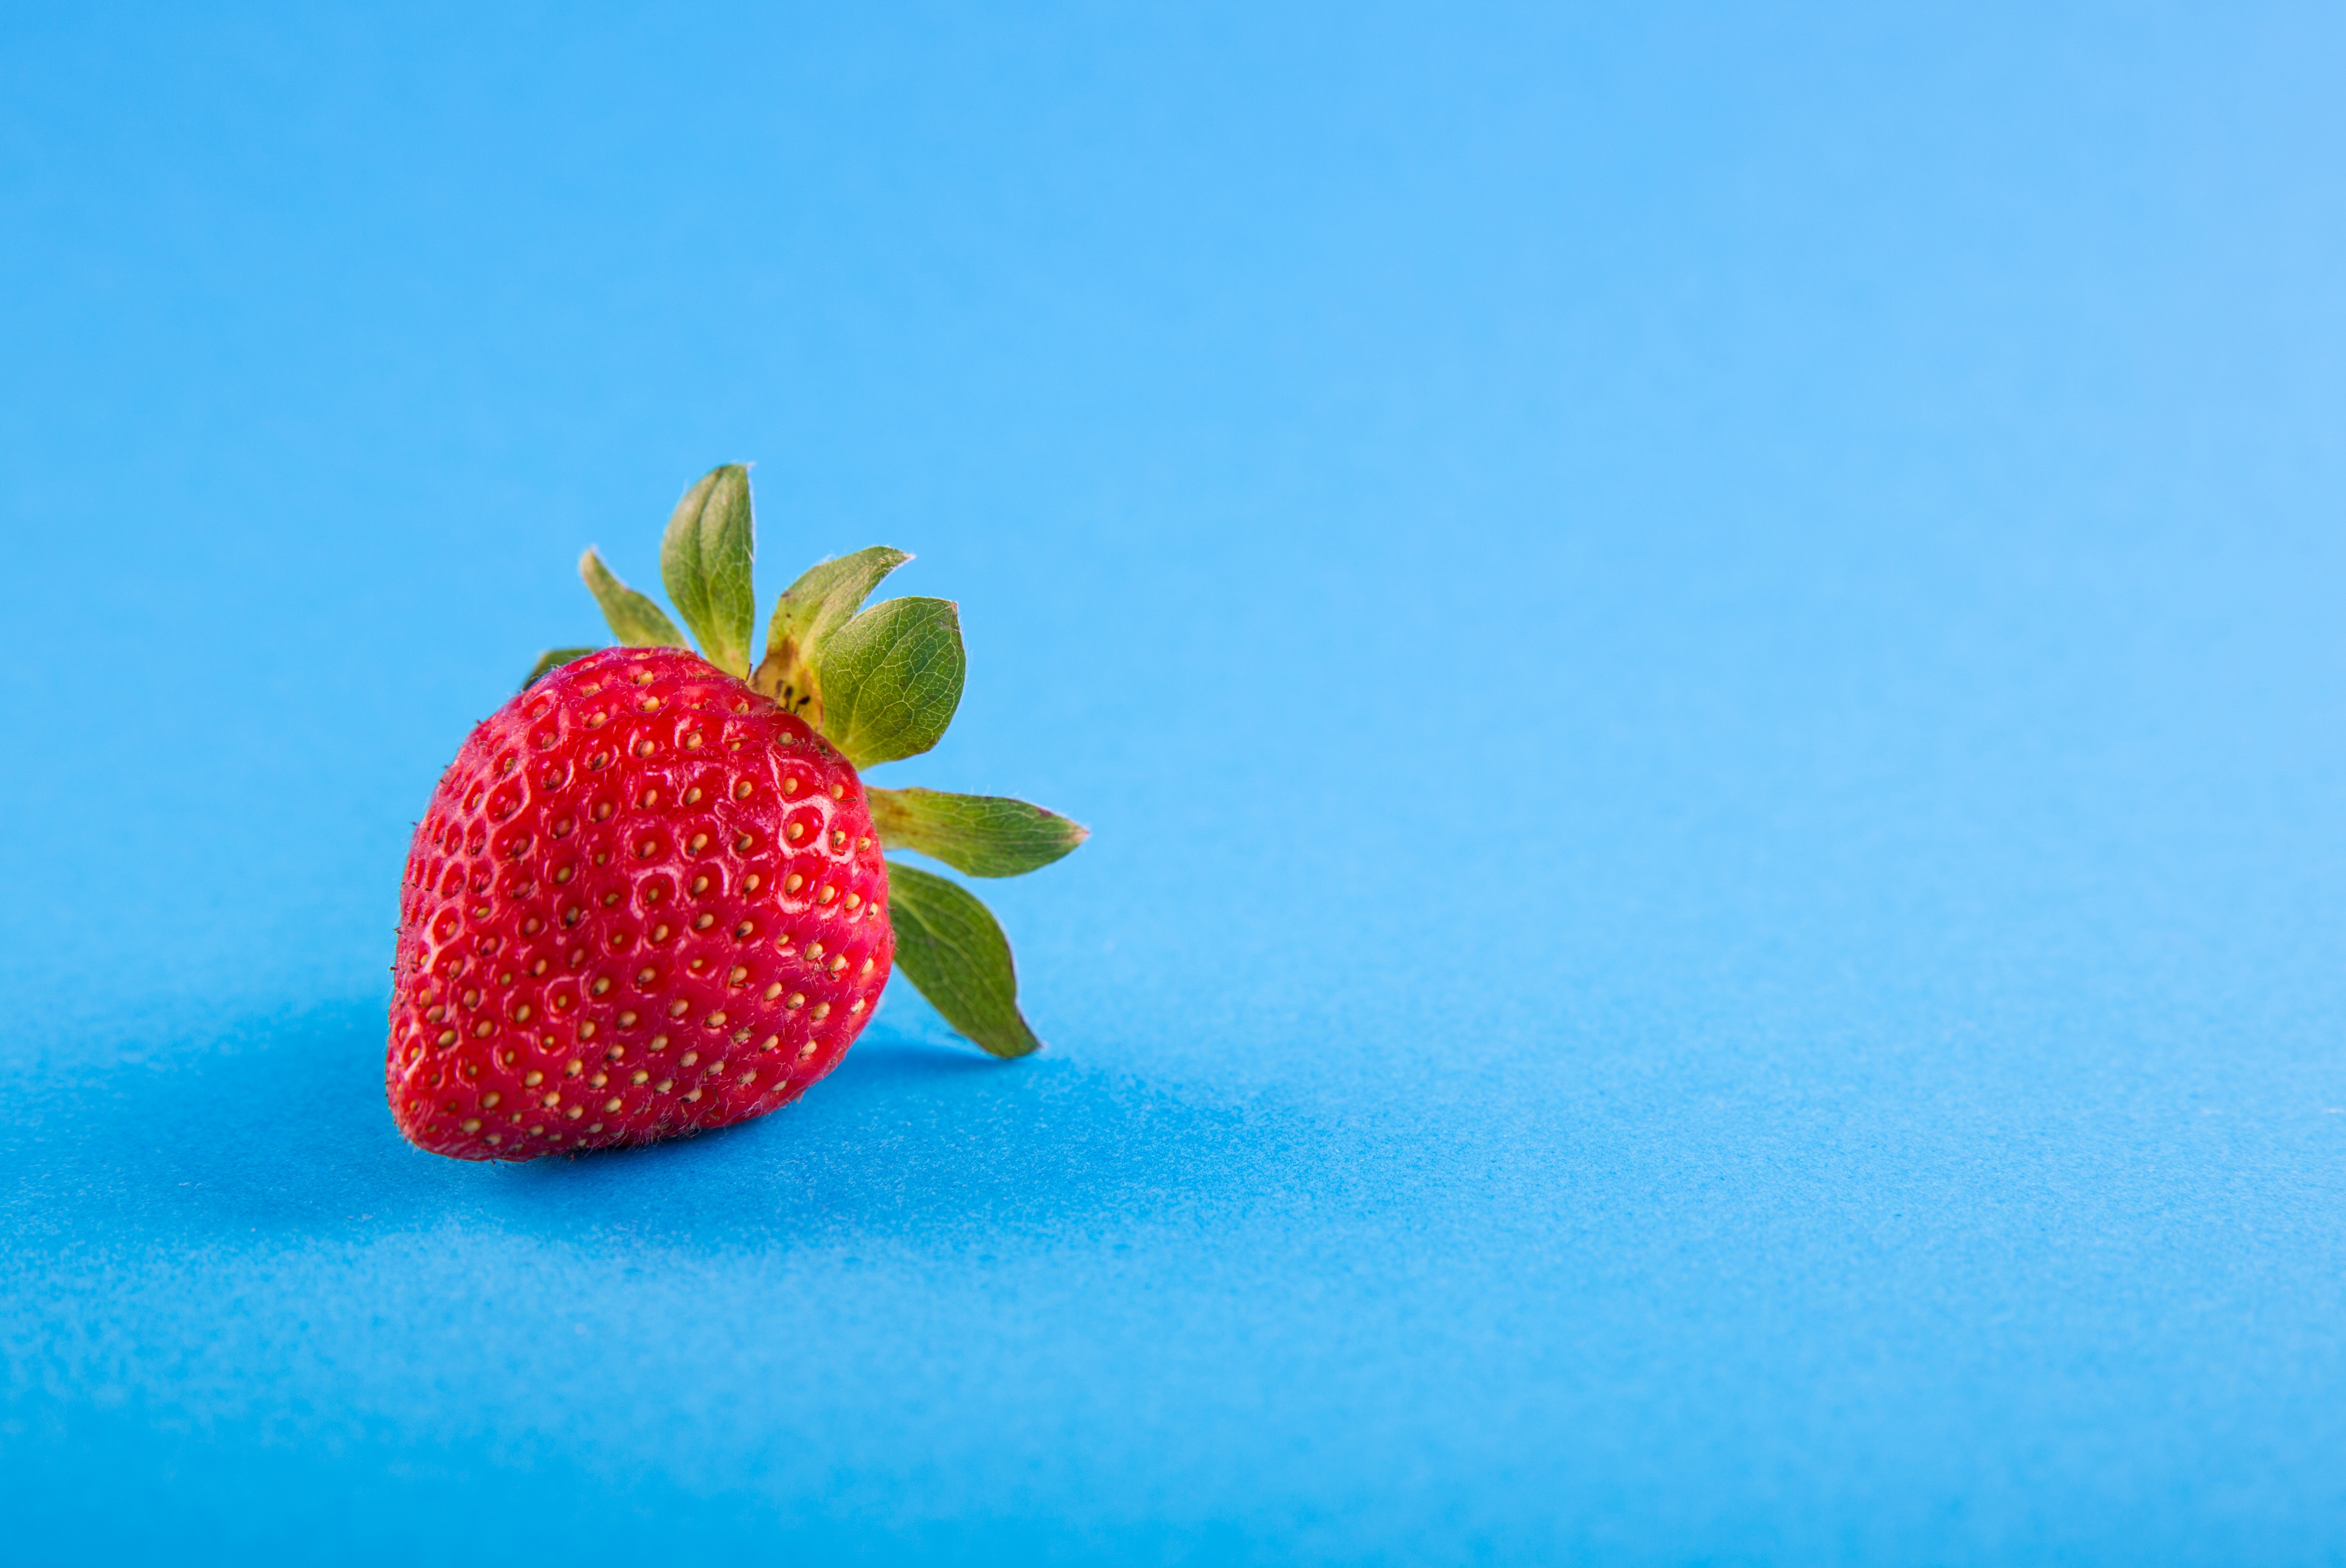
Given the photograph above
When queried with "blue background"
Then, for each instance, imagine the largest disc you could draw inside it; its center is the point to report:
(1707, 650)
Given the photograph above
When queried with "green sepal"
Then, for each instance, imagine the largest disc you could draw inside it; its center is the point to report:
(982, 835)
(891, 680)
(634, 620)
(554, 659)
(952, 948)
(823, 598)
(705, 561)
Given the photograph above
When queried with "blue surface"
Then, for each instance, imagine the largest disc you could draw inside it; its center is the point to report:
(1708, 655)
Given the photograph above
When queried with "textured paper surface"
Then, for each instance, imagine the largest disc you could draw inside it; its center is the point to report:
(1704, 652)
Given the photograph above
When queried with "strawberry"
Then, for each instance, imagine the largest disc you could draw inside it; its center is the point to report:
(648, 896)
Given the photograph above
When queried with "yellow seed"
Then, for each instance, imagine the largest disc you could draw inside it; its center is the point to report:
(795, 831)
(704, 922)
(534, 1078)
(663, 1086)
(700, 842)
(472, 1123)
(774, 991)
(692, 1094)
(792, 882)
(790, 786)
(677, 1009)
(836, 791)
(489, 1101)
(798, 999)
(825, 896)
(641, 1077)
(612, 1103)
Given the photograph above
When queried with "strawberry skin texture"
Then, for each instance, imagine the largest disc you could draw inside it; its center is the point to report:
(645, 902)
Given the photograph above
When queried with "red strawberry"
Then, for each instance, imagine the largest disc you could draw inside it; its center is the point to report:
(648, 896)
(645, 900)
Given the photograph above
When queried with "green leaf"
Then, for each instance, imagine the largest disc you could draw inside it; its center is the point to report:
(891, 680)
(705, 560)
(982, 835)
(634, 620)
(554, 659)
(951, 946)
(809, 610)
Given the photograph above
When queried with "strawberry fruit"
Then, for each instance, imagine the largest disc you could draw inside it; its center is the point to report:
(648, 896)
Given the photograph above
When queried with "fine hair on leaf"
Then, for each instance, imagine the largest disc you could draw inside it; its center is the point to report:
(952, 948)
(706, 561)
(891, 679)
(978, 835)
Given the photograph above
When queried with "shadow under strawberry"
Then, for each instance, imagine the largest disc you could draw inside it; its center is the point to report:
(911, 1142)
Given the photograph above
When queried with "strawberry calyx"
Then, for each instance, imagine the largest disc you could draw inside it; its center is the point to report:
(879, 684)
(825, 597)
